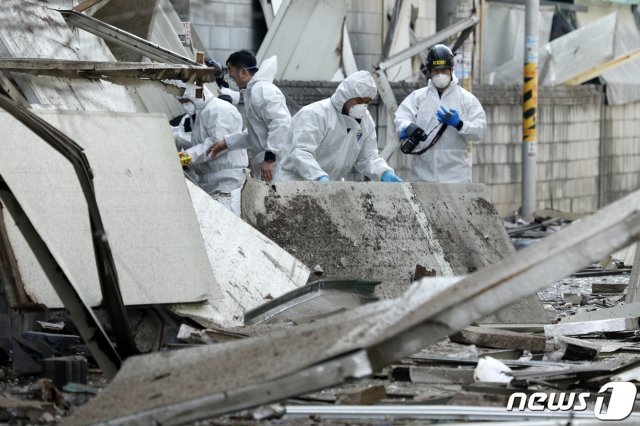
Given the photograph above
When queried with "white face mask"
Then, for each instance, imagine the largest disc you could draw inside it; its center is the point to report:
(357, 111)
(190, 108)
(441, 80)
(233, 85)
(235, 96)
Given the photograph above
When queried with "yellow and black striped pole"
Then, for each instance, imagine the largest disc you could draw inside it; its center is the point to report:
(529, 111)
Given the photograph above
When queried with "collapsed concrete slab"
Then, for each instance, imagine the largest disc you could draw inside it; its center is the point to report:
(140, 190)
(380, 231)
(194, 383)
(249, 268)
(384, 232)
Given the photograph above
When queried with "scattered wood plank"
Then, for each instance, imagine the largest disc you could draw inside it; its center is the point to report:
(96, 69)
(499, 339)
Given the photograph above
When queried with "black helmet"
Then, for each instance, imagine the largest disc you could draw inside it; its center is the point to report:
(440, 57)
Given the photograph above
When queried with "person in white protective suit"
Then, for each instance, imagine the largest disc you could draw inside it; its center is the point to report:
(438, 121)
(266, 111)
(331, 136)
(222, 177)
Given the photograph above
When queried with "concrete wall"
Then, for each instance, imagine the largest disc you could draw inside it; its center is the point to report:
(568, 148)
(620, 151)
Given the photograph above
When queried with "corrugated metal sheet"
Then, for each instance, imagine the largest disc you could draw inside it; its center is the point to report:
(28, 30)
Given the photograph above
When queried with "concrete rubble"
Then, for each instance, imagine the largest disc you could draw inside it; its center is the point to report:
(337, 303)
(389, 330)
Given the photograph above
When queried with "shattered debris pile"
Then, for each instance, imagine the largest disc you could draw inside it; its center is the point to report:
(131, 296)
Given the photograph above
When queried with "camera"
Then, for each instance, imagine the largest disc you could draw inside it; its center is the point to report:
(413, 136)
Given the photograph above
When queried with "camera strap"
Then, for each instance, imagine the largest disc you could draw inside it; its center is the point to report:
(433, 142)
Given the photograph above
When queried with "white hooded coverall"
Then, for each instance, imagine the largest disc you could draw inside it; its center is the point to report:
(225, 172)
(222, 177)
(324, 141)
(448, 161)
(267, 115)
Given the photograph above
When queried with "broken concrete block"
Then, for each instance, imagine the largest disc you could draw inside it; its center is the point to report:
(63, 370)
(188, 334)
(384, 230)
(607, 288)
(577, 350)
(572, 298)
(363, 396)
(591, 327)
(499, 339)
(441, 375)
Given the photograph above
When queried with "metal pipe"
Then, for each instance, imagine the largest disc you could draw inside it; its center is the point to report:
(529, 110)
(433, 412)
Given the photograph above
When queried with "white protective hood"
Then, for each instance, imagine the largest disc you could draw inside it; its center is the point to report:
(266, 72)
(358, 85)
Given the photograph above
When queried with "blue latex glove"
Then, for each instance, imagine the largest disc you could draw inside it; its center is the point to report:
(450, 118)
(388, 176)
(403, 133)
(323, 179)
